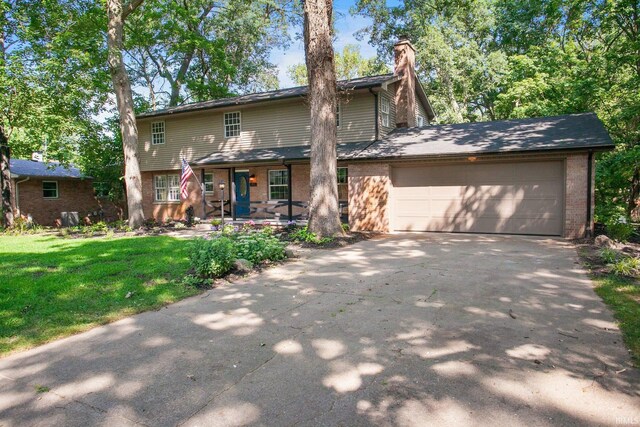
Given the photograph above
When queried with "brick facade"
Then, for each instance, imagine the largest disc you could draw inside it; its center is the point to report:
(259, 193)
(74, 195)
(575, 221)
(369, 190)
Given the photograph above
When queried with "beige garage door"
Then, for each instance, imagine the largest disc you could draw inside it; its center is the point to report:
(511, 198)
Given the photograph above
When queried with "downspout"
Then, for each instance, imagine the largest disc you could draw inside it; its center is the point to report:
(375, 112)
(18, 195)
(589, 229)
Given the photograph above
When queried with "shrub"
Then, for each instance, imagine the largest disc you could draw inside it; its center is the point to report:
(619, 229)
(304, 235)
(628, 266)
(212, 257)
(216, 222)
(259, 247)
(179, 226)
(346, 228)
(609, 255)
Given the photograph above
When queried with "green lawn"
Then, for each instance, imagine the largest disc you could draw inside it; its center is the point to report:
(52, 287)
(622, 295)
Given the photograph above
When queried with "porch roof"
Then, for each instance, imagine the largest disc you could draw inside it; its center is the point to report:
(278, 155)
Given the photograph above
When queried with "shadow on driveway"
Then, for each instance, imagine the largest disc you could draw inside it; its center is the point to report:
(411, 329)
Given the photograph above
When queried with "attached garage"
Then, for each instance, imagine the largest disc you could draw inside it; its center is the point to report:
(513, 197)
(527, 176)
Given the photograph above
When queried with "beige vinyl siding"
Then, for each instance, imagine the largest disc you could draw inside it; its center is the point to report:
(270, 125)
(420, 111)
(390, 93)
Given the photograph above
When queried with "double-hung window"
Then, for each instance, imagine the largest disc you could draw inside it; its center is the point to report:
(420, 120)
(278, 184)
(167, 188)
(157, 133)
(343, 184)
(232, 124)
(385, 108)
(50, 189)
(338, 114)
(208, 183)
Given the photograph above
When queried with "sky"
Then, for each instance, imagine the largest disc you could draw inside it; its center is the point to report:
(346, 26)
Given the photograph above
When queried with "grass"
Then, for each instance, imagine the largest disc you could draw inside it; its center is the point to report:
(52, 287)
(622, 295)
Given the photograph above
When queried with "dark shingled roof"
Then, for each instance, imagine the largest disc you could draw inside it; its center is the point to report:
(29, 168)
(358, 83)
(569, 132)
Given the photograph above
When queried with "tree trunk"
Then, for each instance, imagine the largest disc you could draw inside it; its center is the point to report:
(5, 180)
(324, 214)
(124, 100)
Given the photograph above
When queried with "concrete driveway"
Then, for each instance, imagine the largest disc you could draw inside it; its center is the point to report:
(416, 329)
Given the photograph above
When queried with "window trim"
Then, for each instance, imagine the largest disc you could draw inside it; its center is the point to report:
(154, 132)
(213, 180)
(57, 196)
(346, 184)
(269, 185)
(338, 115)
(385, 114)
(224, 124)
(166, 189)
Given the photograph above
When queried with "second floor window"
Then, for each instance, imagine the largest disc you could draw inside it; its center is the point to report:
(420, 120)
(232, 124)
(338, 113)
(157, 133)
(384, 111)
(167, 188)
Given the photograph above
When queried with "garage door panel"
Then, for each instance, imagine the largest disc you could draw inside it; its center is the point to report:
(523, 198)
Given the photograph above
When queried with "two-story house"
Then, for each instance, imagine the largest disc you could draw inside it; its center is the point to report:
(396, 171)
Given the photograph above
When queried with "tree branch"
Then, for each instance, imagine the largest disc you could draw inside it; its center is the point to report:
(130, 8)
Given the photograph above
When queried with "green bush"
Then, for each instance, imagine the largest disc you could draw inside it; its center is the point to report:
(345, 227)
(620, 230)
(609, 255)
(304, 235)
(628, 266)
(259, 247)
(212, 257)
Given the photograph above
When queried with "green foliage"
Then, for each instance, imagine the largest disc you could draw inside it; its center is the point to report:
(349, 64)
(609, 255)
(346, 228)
(259, 247)
(212, 257)
(304, 235)
(627, 266)
(620, 230)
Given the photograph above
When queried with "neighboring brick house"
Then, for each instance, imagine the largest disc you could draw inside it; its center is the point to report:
(396, 171)
(45, 190)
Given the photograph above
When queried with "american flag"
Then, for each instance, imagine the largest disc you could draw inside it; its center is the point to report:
(184, 178)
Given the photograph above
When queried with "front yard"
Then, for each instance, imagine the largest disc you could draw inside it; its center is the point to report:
(52, 287)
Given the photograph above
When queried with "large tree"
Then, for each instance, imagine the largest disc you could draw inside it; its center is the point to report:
(324, 214)
(117, 13)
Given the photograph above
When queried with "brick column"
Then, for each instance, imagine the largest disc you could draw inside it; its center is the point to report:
(369, 188)
(575, 224)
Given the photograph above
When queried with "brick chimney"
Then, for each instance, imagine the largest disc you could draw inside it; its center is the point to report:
(405, 62)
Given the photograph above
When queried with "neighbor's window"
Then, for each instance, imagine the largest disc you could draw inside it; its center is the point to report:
(167, 188)
(343, 184)
(278, 184)
(420, 120)
(50, 189)
(232, 124)
(157, 133)
(208, 183)
(384, 110)
(338, 113)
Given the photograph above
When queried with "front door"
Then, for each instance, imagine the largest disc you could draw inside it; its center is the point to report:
(241, 180)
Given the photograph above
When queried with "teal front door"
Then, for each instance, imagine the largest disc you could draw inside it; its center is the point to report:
(241, 180)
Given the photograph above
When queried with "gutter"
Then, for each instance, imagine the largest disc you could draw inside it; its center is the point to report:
(18, 194)
(375, 114)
